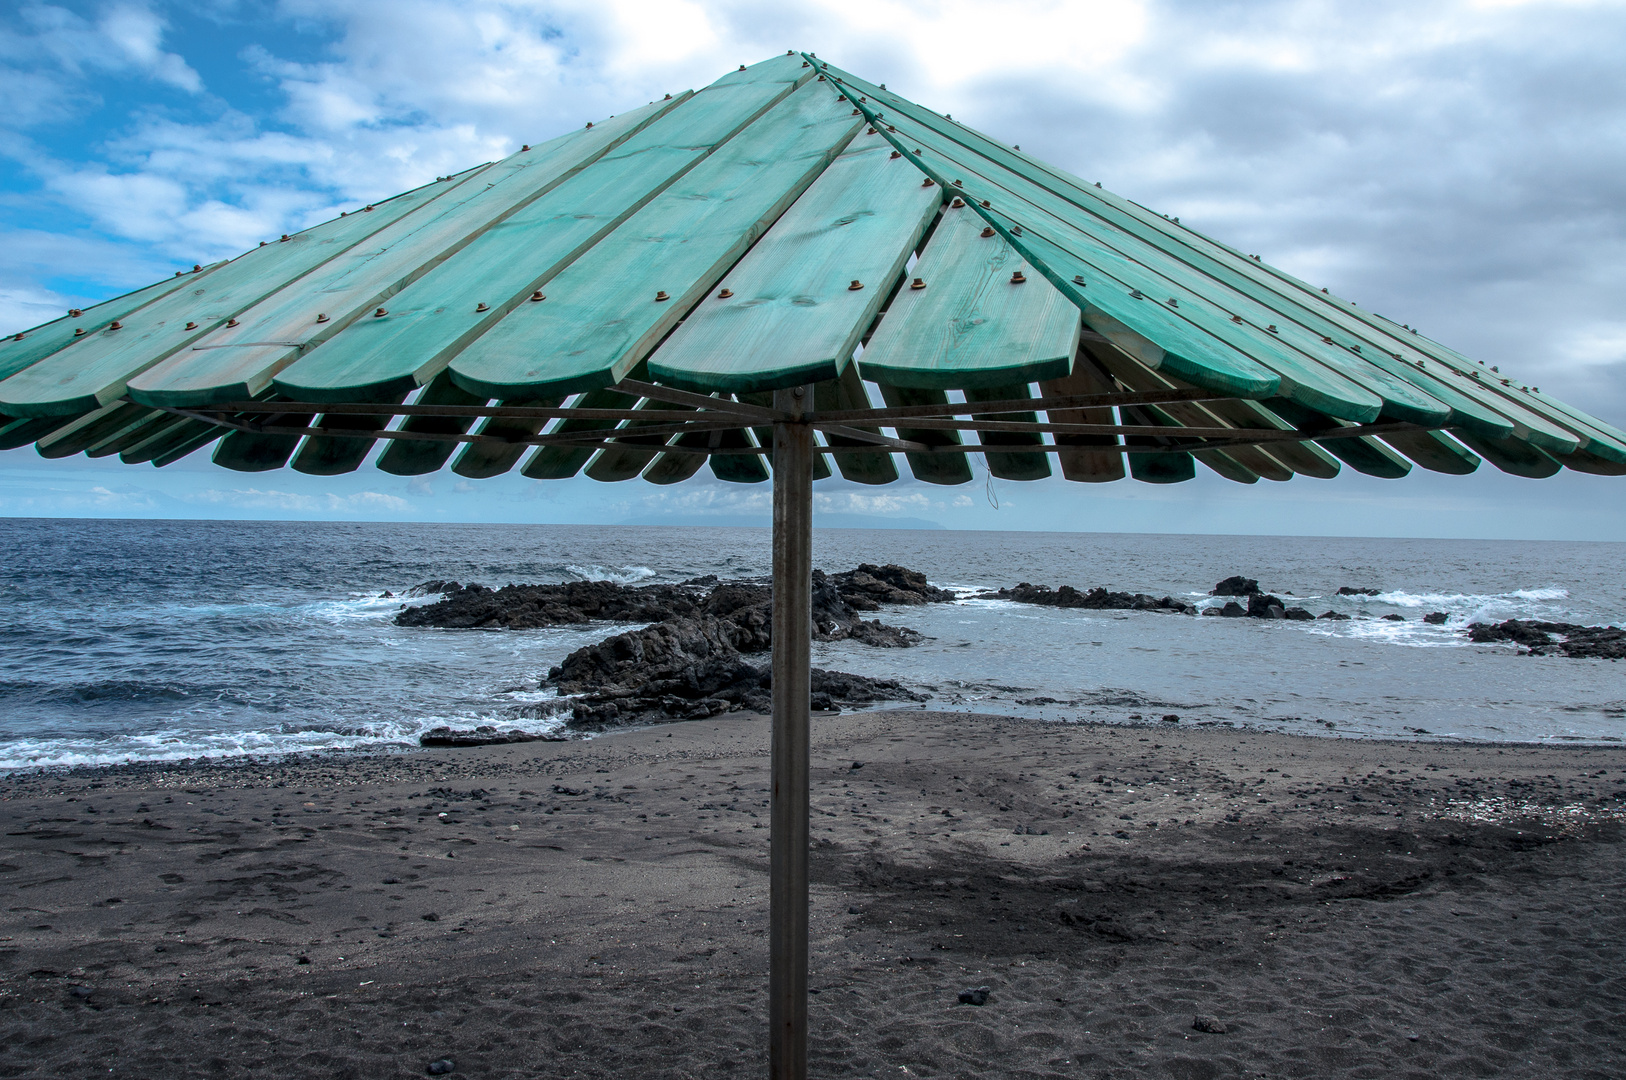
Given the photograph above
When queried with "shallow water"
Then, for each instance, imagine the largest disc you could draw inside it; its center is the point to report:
(139, 640)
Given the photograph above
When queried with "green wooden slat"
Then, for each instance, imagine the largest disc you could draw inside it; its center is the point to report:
(560, 462)
(20, 431)
(481, 460)
(232, 363)
(1581, 461)
(676, 468)
(333, 455)
(1091, 461)
(1435, 451)
(1601, 439)
(1109, 276)
(1008, 466)
(34, 345)
(251, 451)
(404, 457)
(970, 325)
(1296, 300)
(181, 448)
(160, 443)
(847, 391)
(601, 315)
(440, 316)
(93, 428)
(946, 469)
(624, 463)
(793, 318)
(95, 369)
(1513, 456)
(738, 468)
(153, 424)
(1150, 466)
(1363, 454)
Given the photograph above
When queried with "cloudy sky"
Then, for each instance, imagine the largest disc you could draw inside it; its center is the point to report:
(1460, 166)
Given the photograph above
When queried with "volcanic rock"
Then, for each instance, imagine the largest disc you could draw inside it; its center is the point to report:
(1350, 590)
(1554, 638)
(1097, 599)
(1236, 585)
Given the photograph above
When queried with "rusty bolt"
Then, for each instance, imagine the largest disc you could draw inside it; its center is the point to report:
(918, 283)
(821, 78)
(805, 64)
(79, 332)
(191, 326)
(724, 294)
(892, 129)
(987, 230)
(897, 153)
(1236, 318)
(855, 286)
(367, 209)
(957, 203)
(178, 273)
(668, 97)
(742, 67)
(926, 182)
(1016, 230)
(74, 313)
(1136, 294)
(115, 325)
(958, 184)
(1273, 330)
(262, 243)
(482, 306)
(525, 148)
(284, 239)
(231, 322)
(589, 123)
(986, 204)
(856, 112)
(17, 337)
(196, 268)
(1078, 279)
(1173, 302)
(380, 313)
(660, 297)
(1017, 278)
(869, 131)
(537, 295)
(322, 317)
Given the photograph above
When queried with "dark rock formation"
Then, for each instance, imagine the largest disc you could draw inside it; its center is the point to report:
(1350, 590)
(484, 735)
(690, 661)
(1335, 615)
(1554, 638)
(1297, 614)
(1236, 585)
(1097, 599)
(1436, 618)
(1392, 617)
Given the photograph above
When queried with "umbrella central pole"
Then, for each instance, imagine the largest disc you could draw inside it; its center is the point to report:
(792, 689)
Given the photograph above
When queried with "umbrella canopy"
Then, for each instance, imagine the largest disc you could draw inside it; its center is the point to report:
(788, 225)
(715, 277)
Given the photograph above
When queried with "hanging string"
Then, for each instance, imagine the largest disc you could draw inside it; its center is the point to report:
(988, 485)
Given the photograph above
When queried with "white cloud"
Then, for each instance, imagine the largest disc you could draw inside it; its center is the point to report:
(362, 502)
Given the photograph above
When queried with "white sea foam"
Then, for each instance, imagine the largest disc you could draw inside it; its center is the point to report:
(621, 575)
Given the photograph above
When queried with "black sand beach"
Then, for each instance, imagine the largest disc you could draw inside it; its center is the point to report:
(1340, 908)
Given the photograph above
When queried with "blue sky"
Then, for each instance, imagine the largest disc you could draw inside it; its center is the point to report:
(1460, 166)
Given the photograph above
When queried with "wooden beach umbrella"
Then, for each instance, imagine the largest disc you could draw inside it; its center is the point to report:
(720, 278)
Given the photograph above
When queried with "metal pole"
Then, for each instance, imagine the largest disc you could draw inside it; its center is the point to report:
(792, 637)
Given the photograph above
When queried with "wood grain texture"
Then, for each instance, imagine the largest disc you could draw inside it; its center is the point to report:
(793, 317)
(478, 461)
(95, 369)
(1093, 459)
(970, 324)
(41, 341)
(477, 306)
(601, 315)
(1435, 451)
(232, 362)
(404, 457)
(847, 391)
(1008, 466)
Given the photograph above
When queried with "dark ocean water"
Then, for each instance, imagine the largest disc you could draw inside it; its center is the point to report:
(139, 640)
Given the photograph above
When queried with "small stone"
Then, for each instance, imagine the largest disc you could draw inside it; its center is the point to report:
(303, 960)
(974, 995)
(1436, 618)
(1172, 718)
(431, 917)
(858, 764)
(80, 992)
(441, 1067)
(854, 910)
(1207, 1024)
(1413, 1037)
(1392, 617)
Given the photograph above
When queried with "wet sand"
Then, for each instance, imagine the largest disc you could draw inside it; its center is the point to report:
(1341, 908)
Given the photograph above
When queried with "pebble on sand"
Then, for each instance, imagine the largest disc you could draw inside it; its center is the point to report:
(1207, 1024)
(974, 995)
(441, 1067)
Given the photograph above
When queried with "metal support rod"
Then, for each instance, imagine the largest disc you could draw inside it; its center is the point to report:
(792, 700)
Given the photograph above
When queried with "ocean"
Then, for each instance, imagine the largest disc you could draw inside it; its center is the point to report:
(149, 640)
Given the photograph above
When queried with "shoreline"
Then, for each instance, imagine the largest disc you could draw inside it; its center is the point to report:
(1343, 906)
